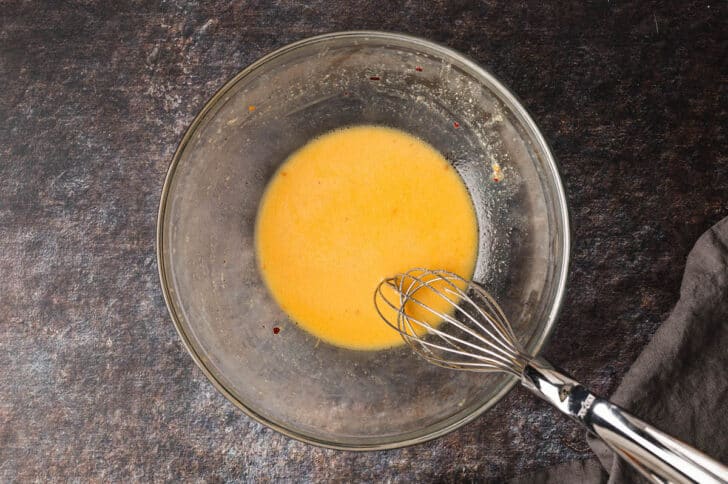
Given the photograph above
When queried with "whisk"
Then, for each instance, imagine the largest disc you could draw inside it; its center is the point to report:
(455, 323)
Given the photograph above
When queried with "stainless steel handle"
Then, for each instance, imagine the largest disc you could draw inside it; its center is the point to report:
(659, 457)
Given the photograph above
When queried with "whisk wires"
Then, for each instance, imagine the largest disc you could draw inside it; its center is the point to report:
(450, 321)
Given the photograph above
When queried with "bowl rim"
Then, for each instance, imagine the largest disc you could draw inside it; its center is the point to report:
(559, 198)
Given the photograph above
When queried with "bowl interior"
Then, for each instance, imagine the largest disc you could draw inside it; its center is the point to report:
(290, 380)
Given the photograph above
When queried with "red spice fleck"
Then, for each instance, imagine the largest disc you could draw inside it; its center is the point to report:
(276, 330)
(456, 124)
(374, 78)
(418, 69)
(495, 179)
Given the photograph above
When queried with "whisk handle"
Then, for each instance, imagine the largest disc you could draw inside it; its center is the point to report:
(659, 457)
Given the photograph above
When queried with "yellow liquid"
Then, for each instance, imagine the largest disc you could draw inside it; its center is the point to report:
(350, 208)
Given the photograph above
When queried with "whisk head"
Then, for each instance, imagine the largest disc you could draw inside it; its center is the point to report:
(450, 321)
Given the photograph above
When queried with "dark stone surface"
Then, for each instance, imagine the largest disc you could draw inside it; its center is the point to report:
(95, 95)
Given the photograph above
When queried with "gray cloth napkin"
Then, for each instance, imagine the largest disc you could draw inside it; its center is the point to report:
(679, 383)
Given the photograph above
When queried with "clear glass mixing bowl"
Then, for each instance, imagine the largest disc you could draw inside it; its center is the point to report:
(289, 380)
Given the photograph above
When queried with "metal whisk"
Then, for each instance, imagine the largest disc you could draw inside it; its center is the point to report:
(455, 323)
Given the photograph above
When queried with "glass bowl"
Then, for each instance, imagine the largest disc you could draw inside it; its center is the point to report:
(282, 376)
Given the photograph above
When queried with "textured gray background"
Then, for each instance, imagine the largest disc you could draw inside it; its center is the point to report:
(94, 96)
